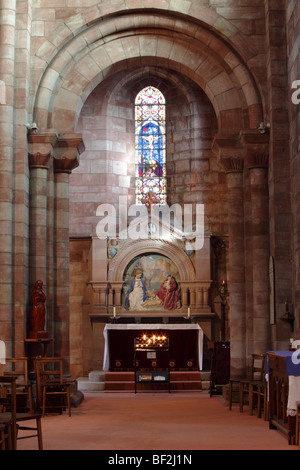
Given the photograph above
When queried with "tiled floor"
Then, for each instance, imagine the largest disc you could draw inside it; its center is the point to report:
(156, 421)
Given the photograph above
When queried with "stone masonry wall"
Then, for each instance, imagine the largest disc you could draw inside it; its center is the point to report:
(293, 36)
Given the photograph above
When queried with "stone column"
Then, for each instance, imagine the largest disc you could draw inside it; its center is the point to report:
(40, 147)
(184, 295)
(117, 294)
(192, 295)
(258, 168)
(66, 153)
(236, 260)
(7, 132)
(205, 296)
(199, 296)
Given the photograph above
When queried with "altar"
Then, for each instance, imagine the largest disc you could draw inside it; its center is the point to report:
(185, 343)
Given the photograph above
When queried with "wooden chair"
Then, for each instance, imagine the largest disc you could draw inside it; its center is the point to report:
(18, 367)
(234, 388)
(240, 386)
(53, 389)
(8, 410)
(13, 420)
(255, 383)
(2, 436)
(259, 391)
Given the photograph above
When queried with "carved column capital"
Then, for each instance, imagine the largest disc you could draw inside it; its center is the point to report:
(232, 164)
(256, 148)
(229, 152)
(40, 148)
(257, 160)
(66, 152)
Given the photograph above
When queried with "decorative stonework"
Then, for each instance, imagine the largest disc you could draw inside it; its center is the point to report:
(60, 85)
(40, 148)
(232, 165)
(135, 248)
(258, 160)
(67, 151)
(256, 149)
(39, 160)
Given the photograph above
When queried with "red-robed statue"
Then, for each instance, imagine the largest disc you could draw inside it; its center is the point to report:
(168, 293)
(38, 312)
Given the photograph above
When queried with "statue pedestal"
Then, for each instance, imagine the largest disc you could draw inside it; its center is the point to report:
(39, 335)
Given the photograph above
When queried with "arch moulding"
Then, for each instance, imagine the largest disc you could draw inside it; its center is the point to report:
(135, 248)
(94, 53)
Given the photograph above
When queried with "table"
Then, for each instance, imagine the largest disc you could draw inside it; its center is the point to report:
(119, 342)
(284, 390)
(41, 345)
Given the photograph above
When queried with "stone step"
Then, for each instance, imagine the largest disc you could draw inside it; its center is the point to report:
(99, 381)
(129, 386)
(86, 385)
(174, 375)
(180, 380)
(93, 383)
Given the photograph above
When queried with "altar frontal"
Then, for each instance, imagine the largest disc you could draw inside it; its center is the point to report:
(185, 342)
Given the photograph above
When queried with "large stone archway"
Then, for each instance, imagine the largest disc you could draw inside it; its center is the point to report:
(95, 44)
(75, 63)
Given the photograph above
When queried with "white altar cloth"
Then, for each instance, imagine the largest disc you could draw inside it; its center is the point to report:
(2, 352)
(151, 326)
(294, 395)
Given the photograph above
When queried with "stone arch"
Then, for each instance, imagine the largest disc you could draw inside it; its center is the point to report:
(135, 248)
(97, 49)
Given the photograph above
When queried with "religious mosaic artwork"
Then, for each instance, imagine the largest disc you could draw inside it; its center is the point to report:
(151, 283)
(113, 246)
(150, 147)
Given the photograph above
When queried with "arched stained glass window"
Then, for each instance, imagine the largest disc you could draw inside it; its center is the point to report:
(150, 147)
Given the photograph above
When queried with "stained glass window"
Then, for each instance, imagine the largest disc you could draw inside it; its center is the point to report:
(150, 147)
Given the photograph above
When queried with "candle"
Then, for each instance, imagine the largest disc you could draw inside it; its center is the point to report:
(114, 312)
(189, 312)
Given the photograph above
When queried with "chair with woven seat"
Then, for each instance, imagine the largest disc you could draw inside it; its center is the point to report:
(18, 367)
(53, 389)
(13, 420)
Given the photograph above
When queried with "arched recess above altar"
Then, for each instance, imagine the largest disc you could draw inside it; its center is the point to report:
(160, 267)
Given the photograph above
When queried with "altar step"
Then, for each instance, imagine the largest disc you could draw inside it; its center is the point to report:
(124, 381)
(187, 381)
